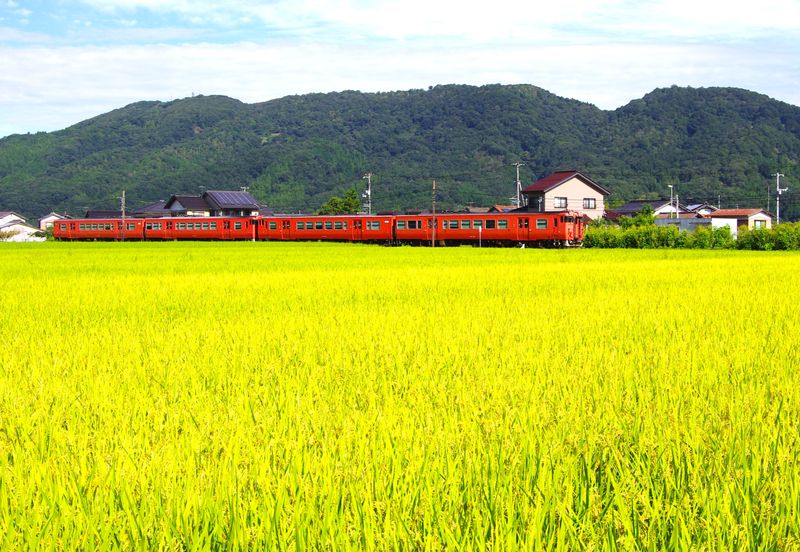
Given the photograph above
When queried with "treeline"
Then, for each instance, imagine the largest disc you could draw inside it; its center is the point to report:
(781, 237)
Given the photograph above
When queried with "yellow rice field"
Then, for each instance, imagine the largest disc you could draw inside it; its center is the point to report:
(340, 396)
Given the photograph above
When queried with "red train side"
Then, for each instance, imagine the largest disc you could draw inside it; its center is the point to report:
(544, 229)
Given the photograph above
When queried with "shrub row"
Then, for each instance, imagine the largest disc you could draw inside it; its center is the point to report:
(782, 237)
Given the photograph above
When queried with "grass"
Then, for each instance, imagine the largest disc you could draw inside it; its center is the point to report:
(295, 396)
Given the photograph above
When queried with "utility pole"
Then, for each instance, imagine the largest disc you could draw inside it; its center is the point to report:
(433, 215)
(368, 177)
(670, 199)
(519, 184)
(778, 197)
(122, 208)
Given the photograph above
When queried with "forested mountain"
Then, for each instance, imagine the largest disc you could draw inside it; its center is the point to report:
(295, 152)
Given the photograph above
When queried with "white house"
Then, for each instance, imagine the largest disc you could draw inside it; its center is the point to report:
(567, 190)
(49, 219)
(734, 218)
(9, 216)
(19, 231)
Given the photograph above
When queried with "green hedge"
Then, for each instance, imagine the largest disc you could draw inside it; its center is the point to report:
(782, 237)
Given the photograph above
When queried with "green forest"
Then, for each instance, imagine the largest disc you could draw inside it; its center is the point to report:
(721, 145)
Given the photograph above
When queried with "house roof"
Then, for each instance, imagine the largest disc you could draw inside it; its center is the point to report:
(101, 214)
(4, 214)
(188, 202)
(737, 213)
(477, 209)
(558, 178)
(52, 214)
(502, 208)
(633, 207)
(698, 206)
(230, 200)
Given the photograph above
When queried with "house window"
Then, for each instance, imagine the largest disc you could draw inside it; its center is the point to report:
(541, 224)
(589, 203)
(560, 202)
(759, 224)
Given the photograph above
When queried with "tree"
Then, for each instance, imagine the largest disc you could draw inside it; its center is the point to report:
(347, 205)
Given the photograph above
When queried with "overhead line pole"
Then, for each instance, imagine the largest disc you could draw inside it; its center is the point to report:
(433, 215)
(122, 208)
(519, 184)
(778, 197)
(368, 177)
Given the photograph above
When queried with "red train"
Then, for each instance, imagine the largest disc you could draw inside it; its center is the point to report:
(559, 229)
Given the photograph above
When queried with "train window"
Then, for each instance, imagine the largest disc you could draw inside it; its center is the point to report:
(300, 225)
(64, 226)
(318, 225)
(337, 225)
(523, 222)
(273, 225)
(83, 227)
(328, 225)
(374, 225)
(491, 224)
(477, 223)
(213, 225)
(108, 227)
(149, 226)
(205, 226)
(465, 224)
(541, 224)
(401, 225)
(344, 225)
(414, 225)
(569, 219)
(237, 225)
(502, 224)
(454, 225)
(130, 226)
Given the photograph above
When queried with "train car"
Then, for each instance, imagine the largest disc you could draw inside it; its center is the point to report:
(201, 228)
(350, 228)
(507, 229)
(99, 229)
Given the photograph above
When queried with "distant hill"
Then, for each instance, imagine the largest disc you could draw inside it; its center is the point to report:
(295, 152)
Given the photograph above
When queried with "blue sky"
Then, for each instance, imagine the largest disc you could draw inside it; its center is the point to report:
(63, 61)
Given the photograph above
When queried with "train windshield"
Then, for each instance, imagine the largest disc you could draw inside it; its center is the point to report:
(569, 219)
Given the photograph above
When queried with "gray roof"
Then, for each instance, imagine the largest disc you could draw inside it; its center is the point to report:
(635, 206)
(187, 202)
(230, 200)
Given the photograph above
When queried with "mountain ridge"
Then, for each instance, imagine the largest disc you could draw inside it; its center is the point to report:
(293, 153)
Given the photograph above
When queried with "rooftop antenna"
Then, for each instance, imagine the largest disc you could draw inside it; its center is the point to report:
(778, 197)
(519, 184)
(368, 176)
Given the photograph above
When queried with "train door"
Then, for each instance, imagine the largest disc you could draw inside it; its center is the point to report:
(358, 229)
(523, 229)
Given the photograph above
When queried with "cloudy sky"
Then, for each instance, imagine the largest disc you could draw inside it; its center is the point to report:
(63, 61)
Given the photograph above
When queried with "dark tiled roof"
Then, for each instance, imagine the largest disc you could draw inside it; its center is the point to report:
(559, 177)
(230, 200)
(99, 214)
(188, 202)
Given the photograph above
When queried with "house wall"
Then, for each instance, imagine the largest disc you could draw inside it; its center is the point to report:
(575, 191)
(751, 221)
(731, 223)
